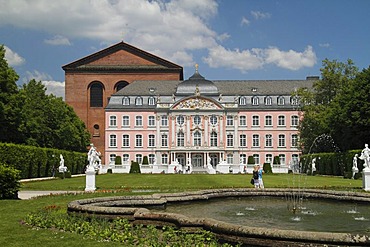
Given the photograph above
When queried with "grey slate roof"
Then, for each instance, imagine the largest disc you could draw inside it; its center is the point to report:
(225, 87)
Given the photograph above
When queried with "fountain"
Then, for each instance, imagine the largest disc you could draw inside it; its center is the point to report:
(156, 210)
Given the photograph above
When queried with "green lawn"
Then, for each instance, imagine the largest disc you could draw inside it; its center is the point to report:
(176, 182)
(14, 233)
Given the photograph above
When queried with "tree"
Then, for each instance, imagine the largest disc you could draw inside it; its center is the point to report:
(349, 116)
(47, 121)
(8, 88)
(319, 103)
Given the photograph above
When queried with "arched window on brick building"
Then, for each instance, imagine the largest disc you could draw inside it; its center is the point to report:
(119, 85)
(96, 94)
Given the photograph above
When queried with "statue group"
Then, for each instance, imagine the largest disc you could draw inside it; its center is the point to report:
(93, 157)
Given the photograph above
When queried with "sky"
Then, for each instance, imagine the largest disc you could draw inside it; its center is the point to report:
(228, 39)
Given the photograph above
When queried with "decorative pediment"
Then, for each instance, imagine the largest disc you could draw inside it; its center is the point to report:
(196, 103)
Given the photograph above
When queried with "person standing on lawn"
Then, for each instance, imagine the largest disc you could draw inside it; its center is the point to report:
(260, 181)
(255, 176)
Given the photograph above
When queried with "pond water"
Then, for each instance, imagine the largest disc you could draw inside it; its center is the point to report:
(272, 212)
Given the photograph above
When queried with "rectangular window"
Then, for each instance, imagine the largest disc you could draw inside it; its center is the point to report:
(230, 140)
(138, 121)
(268, 120)
(269, 158)
(164, 140)
(151, 141)
(151, 121)
(139, 158)
(112, 141)
(281, 140)
(281, 120)
(294, 140)
(256, 158)
(256, 141)
(268, 140)
(151, 158)
(125, 121)
(255, 121)
(180, 139)
(243, 120)
(229, 120)
(164, 159)
(243, 140)
(126, 141)
(139, 141)
(112, 121)
(294, 121)
(164, 120)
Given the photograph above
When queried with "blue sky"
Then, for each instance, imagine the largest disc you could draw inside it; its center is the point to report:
(230, 40)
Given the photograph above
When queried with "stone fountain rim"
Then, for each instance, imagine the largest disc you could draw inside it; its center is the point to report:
(134, 209)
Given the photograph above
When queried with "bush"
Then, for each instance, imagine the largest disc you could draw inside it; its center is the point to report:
(9, 182)
(109, 171)
(118, 160)
(276, 160)
(267, 168)
(251, 160)
(145, 160)
(135, 167)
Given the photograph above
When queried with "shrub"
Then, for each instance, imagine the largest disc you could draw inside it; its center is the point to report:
(145, 160)
(276, 160)
(118, 160)
(9, 182)
(109, 171)
(251, 160)
(267, 168)
(135, 167)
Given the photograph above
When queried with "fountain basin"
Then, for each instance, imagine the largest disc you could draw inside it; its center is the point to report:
(145, 210)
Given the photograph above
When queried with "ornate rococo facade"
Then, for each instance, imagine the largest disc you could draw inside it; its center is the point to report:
(199, 125)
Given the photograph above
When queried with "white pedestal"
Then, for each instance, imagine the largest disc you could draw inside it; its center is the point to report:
(90, 179)
(366, 179)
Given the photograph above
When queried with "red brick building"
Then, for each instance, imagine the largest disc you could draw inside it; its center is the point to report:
(90, 81)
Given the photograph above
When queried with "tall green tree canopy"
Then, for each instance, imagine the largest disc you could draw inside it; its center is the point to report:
(29, 116)
(8, 88)
(326, 111)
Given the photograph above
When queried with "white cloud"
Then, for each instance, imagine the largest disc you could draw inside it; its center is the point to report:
(58, 40)
(241, 60)
(256, 58)
(52, 87)
(13, 58)
(244, 21)
(172, 29)
(260, 15)
(291, 60)
(166, 26)
(55, 87)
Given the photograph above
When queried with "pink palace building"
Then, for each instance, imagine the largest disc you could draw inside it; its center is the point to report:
(198, 125)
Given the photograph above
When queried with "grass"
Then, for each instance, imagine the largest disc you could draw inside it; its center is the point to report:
(12, 212)
(178, 182)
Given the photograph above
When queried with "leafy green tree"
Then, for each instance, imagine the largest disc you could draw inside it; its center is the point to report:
(8, 88)
(47, 121)
(319, 102)
(349, 116)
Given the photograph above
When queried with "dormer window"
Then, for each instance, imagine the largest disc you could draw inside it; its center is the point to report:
(126, 101)
(151, 101)
(281, 100)
(242, 100)
(139, 101)
(254, 90)
(255, 100)
(268, 100)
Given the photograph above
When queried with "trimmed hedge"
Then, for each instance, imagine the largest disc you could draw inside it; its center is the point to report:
(9, 182)
(35, 162)
(135, 167)
(335, 164)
